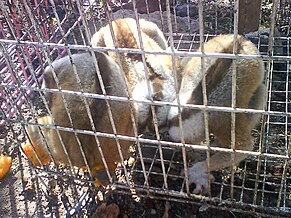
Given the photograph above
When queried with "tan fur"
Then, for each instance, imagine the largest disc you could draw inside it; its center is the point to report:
(114, 85)
(250, 94)
(159, 67)
(153, 31)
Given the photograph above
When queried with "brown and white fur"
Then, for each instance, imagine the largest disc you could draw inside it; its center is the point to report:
(159, 67)
(114, 85)
(250, 93)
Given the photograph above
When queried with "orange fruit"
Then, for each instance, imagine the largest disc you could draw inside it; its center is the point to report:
(5, 165)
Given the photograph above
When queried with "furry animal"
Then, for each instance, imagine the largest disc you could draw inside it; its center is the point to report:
(158, 68)
(250, 93)
(114, 85)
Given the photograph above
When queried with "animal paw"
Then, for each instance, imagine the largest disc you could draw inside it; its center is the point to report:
(198, 174)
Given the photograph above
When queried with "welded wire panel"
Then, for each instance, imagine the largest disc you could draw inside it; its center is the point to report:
(35, 34)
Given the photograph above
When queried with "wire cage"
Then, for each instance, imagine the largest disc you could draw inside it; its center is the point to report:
(36, 33)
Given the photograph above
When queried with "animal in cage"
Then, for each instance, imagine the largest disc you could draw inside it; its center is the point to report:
(157, 70)
(60, 122)
(250, 93)
(71, 111)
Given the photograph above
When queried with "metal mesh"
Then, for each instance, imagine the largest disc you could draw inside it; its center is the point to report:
(36, 33)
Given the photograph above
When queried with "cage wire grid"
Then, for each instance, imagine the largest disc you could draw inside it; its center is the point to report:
(34, 34)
